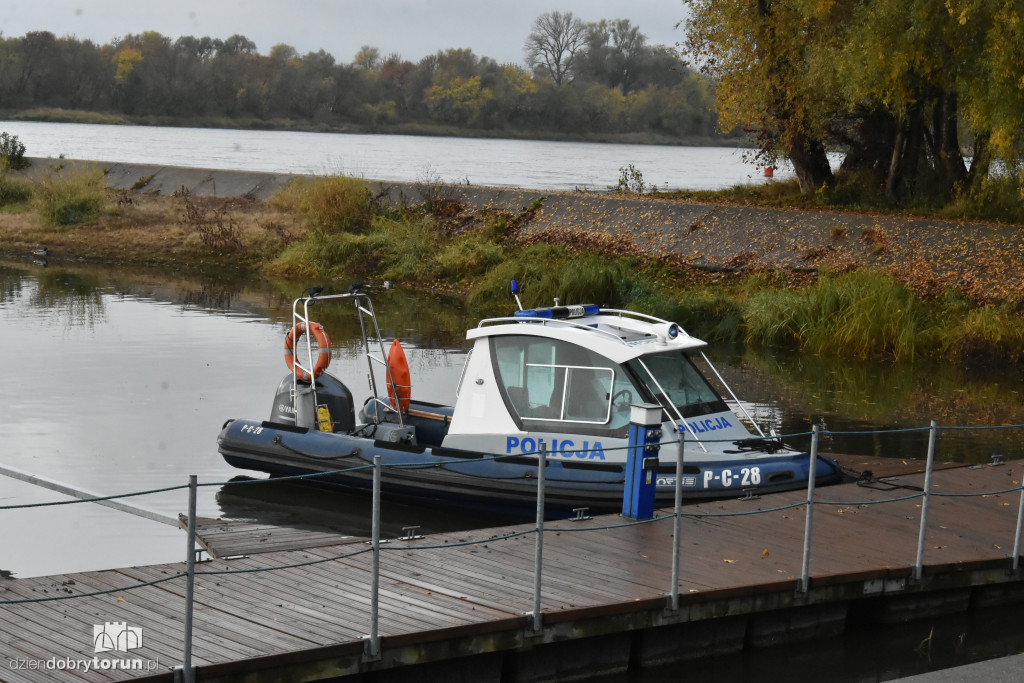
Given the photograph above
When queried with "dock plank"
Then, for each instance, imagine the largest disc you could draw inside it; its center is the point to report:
(230, 538)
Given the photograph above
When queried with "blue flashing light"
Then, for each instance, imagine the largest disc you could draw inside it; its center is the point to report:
(515, 287)
(559, 312)
(534, 313)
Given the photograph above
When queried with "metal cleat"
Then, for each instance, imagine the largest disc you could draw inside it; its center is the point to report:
(581, 514)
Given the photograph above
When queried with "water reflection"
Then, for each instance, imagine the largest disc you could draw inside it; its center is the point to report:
(853, 395)
(866, 651)
(308, 506)
(63, 298)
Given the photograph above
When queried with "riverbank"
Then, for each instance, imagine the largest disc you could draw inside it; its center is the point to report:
(726, 271)
(983, 260)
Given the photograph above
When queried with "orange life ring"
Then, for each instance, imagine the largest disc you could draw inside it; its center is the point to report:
(399, 379)
(323, 359)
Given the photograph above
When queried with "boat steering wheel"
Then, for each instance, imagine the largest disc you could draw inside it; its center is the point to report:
(626, 394)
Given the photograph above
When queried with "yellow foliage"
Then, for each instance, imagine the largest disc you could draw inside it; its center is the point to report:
(126, 59)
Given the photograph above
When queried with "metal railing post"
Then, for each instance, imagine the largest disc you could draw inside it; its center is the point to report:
(536, 623)
(189, 673)
(812, 475)
(929, 467)
(1016, 538)
(371, 651)
(673, 596)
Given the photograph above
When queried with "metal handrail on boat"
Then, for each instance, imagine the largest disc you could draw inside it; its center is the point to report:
(552, 321)
(622, 313)
(363, 311)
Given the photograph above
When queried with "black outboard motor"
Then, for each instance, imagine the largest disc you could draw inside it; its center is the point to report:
(330, 394)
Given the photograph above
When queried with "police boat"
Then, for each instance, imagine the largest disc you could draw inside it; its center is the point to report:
(562, 377)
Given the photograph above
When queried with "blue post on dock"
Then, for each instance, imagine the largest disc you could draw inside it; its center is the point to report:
(642, 461)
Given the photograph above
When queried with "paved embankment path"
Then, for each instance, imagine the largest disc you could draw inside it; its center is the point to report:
(983, 259)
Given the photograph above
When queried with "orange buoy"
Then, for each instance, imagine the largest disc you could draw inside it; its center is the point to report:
(323, 359)
(399, 380)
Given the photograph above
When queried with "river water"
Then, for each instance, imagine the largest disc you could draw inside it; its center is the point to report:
(119, 380)
(530, 164)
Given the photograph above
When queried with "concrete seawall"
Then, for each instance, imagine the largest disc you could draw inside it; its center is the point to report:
(708, 236)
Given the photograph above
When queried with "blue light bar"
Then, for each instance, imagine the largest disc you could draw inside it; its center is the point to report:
(559, 312)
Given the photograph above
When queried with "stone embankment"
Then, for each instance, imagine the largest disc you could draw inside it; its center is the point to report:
(981, 258)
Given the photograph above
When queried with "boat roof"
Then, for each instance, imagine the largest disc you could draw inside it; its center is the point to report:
(616, 334)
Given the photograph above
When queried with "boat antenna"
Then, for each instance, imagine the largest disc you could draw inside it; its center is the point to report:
(515, 293)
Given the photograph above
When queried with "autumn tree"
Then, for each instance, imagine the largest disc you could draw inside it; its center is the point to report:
(757, 53)
(893, 83)
(552, 45)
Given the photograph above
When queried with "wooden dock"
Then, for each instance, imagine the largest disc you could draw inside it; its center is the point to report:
(444, 602)
(224, 539)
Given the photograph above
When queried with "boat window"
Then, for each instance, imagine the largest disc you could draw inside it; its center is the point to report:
(675, 374)
(548, 383)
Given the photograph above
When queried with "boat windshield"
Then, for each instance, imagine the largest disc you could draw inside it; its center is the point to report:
(674, 380)
(552, 385)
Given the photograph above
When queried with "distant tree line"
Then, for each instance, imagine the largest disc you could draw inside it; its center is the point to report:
(607, 81)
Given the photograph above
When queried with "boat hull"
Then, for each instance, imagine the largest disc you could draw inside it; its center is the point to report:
(506, 483)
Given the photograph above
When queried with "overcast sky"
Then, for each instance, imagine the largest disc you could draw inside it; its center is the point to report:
(411, 28)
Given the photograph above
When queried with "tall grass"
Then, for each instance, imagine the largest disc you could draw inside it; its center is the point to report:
(864, 313)
(328, 203)
(12, 190)
(546, 272)
(405, 248)
(70, 197)
(988, 332)
(325, 256)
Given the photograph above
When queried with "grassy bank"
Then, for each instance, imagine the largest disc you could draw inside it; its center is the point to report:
(333, 231)
(76, 216)
(864, 312)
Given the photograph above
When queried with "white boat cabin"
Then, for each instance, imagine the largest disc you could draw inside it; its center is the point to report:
(568, 375)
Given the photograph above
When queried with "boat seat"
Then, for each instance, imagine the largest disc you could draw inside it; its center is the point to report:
(520, 401)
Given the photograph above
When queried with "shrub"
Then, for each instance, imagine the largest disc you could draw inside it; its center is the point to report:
(217, 228)
(631, 180)
(1000, 198)
(70, 198)
(12, 152)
